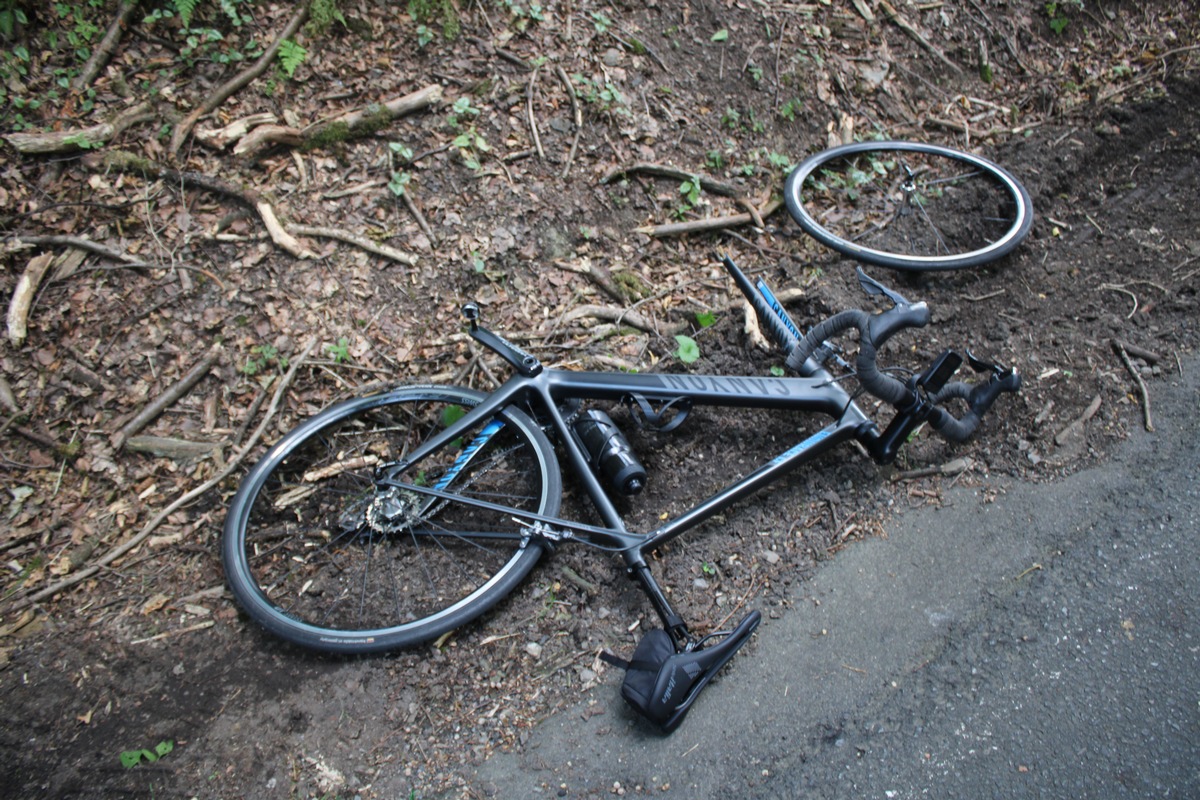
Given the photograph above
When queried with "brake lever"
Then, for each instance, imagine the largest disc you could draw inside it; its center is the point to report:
(874, 287)
(979, 365)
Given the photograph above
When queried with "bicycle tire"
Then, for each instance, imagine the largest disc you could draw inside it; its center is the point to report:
(967, 211)
(319, 553)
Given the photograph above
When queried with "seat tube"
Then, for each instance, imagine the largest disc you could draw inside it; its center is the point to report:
(639, 570)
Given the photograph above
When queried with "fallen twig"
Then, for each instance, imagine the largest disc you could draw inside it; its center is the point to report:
(710, 224)
(1124, 356)
(577, 114)
(1149, 356)
(222, 137)
(423, 223)
(951, 468)
(263, 137)
(1112, 287)
(903, 24)
(126, 261)
(199, 626)
(238, 82)
(167, 398)
(108, 45)
(45, 142)
(625, 317)
(358, 241)
(181, 501)
(22, 297)
(123, 161)
(598, 275)
(533, 128)
(1077, 426)
(368, 119)
(663, 171)
(577, 579)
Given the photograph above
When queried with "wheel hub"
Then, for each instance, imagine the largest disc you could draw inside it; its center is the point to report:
(392, 510)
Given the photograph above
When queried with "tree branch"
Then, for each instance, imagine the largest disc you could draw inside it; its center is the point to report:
(241, 80)
(45, 142)
(106, 48)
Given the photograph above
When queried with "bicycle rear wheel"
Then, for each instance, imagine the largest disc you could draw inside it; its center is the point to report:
(322, 554)
(909, 205)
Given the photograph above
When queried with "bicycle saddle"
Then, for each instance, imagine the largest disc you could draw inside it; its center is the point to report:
(661, 684)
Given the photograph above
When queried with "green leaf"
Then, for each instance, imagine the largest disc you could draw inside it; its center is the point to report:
(705, 319)
(689, 351)
(399, 183)
(777, 371)
(185, 9)
(131, 758)
(452, 414)
(721, 35)
(291, 56)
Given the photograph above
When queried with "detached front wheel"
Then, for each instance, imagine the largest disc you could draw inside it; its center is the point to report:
(909, 205)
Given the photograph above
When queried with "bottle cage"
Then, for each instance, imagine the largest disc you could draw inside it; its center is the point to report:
(660, 420)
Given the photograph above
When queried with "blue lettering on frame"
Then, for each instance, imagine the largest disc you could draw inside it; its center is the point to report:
(816, 438)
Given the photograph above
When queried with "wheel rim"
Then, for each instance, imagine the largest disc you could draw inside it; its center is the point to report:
(909, 206)
(334, 561)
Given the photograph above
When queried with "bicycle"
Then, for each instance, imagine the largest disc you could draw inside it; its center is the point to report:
(386, 521)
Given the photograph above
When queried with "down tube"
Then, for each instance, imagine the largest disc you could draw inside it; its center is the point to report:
(825, 439)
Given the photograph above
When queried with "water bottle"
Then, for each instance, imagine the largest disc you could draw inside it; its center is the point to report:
(609, 451)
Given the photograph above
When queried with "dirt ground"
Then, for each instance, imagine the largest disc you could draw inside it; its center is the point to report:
(1092, 108)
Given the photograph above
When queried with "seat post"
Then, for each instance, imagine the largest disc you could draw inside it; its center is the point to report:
(674, 624)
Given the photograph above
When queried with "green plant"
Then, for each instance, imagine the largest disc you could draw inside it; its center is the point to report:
(262, 356)
(601, 22)
(791, 109)
(731, 119)
(1057, 13)
(400, 179)
(291, 56)
(777, 371)
(706, 319)
(436, 12)
(424, 35)
(200, 40)
(131, 758)
(604, 95)
(721, 35)
(461, 108)
(10, 17)
(470, 144)
(321, 16)
(688, 351)
(522, 15)
(340, 352)
(708, 569)
(714, 159)
(779, 161)
(690, 189)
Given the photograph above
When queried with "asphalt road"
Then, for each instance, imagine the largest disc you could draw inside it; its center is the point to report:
(1042, 643)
